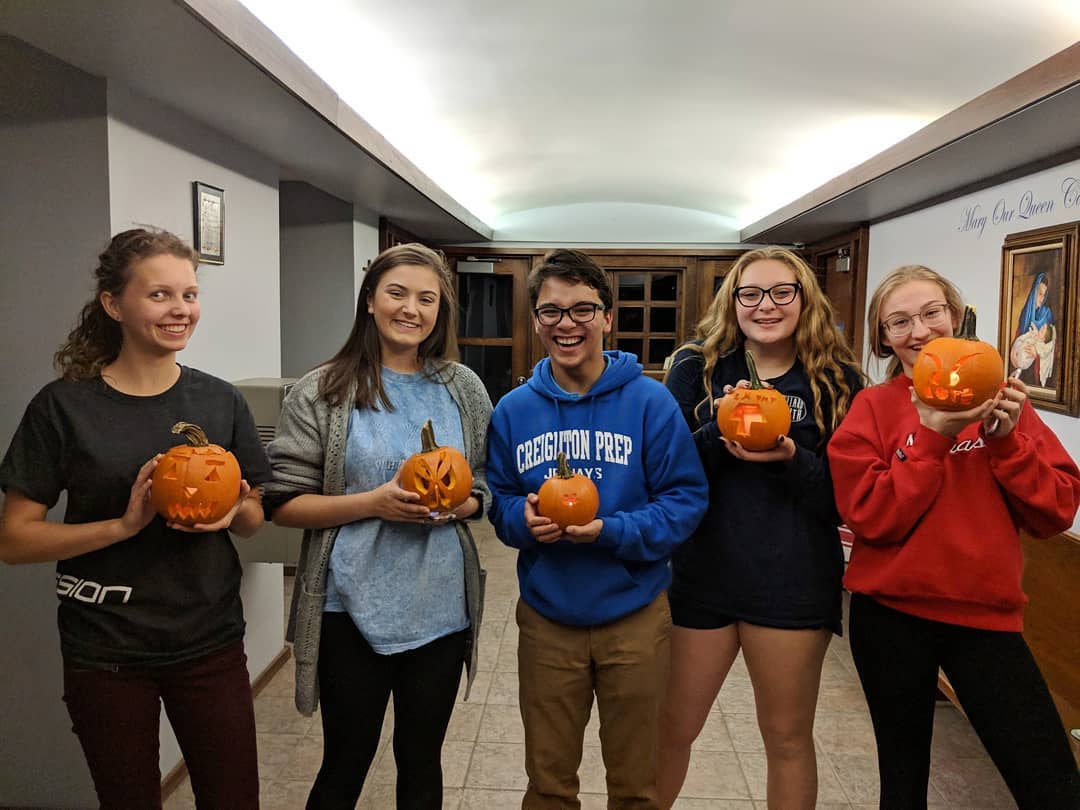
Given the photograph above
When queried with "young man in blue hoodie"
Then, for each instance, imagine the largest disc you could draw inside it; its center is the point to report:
(593, 614)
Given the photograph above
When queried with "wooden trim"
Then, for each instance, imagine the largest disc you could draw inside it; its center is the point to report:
(1051, 76)
(179, 773)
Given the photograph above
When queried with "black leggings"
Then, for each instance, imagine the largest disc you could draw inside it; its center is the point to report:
(355, 683)
(997, 682)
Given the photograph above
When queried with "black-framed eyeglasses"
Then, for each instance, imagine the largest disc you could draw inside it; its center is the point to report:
(551, 315)
(780, 294)
(932, 316)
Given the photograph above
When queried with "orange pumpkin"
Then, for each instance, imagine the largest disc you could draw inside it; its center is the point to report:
(755, 417)
(958, 373)
(441, 476)
(568, 498)
(197, 482)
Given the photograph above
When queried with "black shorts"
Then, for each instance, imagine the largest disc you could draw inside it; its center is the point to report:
(695, 616)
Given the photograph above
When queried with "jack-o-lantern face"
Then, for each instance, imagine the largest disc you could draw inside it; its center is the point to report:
(568, 498)
(197, 482)
(755, 417)
(957, 373)
(439, 475)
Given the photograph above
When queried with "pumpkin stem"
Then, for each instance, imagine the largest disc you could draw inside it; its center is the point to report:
(193, 433)
(427, 438)
(755, 380)
(563, 467)
(967, 325)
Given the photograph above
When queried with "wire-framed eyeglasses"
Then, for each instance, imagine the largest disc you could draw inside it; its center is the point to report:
(932, 316)
(551, 315)
(780, 294)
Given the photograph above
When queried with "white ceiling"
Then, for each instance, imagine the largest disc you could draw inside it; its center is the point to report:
(676, 121)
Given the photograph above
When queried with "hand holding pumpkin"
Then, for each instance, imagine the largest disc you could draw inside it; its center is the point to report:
(950, 423)
(544, 529)
(140, 509)
(1008, 404)
(391, 502)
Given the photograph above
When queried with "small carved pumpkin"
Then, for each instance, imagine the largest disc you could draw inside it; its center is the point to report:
(957, 373)
(439, 475)
(197, 482)
(755, 417)
(568, 498)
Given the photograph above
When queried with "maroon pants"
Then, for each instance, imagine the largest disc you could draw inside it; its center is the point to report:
(116, 717)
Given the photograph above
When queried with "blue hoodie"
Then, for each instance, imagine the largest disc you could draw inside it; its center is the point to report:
(628, 435)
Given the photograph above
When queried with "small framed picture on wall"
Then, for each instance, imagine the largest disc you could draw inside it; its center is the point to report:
(209, 210)
(1040, 308)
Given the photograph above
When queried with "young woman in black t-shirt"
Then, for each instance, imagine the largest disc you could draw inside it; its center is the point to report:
(762, 572)
(149, 611)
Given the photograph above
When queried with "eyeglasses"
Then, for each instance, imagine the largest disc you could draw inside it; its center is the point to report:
(779, 294)
(551, 315)
(932, 316)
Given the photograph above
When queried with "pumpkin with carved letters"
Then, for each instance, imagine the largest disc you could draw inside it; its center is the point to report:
(957, 373)
(439, 475)
(196, 482)
(568, 498)
(754, 417)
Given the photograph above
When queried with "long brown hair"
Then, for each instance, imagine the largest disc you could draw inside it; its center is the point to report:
(824, 353)
(96, 339)
(359, 361)
(892, 282)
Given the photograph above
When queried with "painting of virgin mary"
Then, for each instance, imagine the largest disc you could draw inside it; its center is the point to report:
(1035, 337)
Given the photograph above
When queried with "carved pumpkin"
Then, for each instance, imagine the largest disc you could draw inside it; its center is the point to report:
(197, 482)
(958, 373)
(755, 417)
(568, 498)
(439, 475)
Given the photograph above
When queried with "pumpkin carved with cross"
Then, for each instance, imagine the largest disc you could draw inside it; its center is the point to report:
(754, 417)
(196, 482)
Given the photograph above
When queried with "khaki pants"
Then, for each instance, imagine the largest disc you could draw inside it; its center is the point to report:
(559, 668)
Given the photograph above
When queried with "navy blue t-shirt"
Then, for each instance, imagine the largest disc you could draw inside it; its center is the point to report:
(767, 551)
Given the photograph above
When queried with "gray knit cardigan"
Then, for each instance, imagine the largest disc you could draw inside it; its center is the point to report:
(308, 456)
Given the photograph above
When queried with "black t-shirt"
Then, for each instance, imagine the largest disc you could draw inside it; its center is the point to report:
(160, 597)
(767, 550)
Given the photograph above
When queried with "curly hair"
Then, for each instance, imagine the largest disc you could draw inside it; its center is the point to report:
(359, 361)
(96, 339)
(824, 353)
(892, 282)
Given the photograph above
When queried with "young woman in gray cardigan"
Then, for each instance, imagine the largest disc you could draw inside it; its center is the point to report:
(388, 596)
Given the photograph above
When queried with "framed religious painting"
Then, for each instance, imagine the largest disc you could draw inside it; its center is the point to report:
(209, 209)
(1040, 314)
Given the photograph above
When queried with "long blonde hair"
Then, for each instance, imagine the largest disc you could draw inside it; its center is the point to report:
(892, 282)
(824, 352)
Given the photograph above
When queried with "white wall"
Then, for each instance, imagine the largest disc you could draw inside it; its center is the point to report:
(962, 239)
(154, 155)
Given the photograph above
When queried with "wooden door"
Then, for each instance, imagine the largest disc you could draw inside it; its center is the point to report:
(494, 323)
(840, 264)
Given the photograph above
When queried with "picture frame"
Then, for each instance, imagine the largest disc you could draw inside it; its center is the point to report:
(208, 206)
(1040, 314)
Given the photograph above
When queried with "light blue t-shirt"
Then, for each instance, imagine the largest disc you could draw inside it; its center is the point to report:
(402, 583)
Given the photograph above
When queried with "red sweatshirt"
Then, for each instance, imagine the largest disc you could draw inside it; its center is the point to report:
(937, 520)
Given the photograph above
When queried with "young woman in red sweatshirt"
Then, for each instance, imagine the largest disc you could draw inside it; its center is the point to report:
(936, 501)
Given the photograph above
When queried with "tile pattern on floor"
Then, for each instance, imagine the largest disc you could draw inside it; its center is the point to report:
(484, 752)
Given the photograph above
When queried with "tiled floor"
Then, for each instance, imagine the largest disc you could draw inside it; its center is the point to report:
(484, 751)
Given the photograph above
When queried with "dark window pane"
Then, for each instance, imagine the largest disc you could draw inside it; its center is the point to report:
(716, 282)
(659, 349)
(662, 319)
(632, 345)
(631, 288)
(493, 364)
(665, 287)
(631, 319)
(486, 305)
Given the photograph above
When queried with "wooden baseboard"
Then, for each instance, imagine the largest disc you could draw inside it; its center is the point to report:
(177, 775)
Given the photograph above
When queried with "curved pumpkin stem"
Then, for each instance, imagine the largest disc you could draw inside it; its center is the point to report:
(755, 380)
(193, 433)
(562, 469)
(427, 438)
(967, 325)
